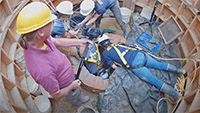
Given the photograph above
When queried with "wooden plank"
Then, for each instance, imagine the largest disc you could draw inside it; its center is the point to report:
(3, 14)
(181, 108)
(5, 61)
(5, 107)
(14, 4)
(129, 4)
(17, 98)
(195, 103)
(8, 44)
(7, 7)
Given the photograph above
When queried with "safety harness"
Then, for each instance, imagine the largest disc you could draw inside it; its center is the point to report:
(92, 57)
(122, 54)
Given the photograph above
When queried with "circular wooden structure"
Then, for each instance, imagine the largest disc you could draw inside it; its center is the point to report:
(15, 97)
(91, 82)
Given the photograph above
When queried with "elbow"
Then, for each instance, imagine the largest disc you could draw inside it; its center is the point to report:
(55, 98)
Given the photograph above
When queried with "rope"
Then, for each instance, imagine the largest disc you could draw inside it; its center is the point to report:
(180, 59)
(179, 86)
(180, 83)
(160, 101)
(170, 102)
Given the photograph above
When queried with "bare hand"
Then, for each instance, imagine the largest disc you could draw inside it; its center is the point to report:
(84, 41)
(76, 84)
(72, 32)
(79, 25)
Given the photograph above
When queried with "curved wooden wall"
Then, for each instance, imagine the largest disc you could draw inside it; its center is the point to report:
(14, 94)
(185, 13)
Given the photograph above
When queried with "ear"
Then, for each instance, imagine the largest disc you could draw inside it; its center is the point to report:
(40, 32)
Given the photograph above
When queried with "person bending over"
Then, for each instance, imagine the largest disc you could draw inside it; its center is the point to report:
(63, 11)
(99, 7)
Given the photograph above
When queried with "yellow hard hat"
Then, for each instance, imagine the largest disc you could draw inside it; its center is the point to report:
(33, 16)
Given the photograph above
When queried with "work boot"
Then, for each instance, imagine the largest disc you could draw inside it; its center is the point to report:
(171, 92)
(83, 100)
(173, 68)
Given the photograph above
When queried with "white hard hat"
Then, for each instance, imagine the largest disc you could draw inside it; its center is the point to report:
(104, 37)
(65, 7)
(86, 7)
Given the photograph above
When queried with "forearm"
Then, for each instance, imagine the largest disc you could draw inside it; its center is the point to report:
(91, 21)
(65, 91)
(64, 42)
(86, 19)
(62, 92)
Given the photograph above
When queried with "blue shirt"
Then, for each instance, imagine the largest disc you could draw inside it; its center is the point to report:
(58, 28)
(101, 8)
(112, 56)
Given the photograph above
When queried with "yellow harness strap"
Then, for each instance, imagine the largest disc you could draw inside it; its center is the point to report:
(98, 62)
(121, 55)
(130, 48)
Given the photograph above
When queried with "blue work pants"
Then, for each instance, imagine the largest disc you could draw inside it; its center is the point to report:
(143, 72)
(116, 11)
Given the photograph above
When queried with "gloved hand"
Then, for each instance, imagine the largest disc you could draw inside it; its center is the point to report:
(76, 84)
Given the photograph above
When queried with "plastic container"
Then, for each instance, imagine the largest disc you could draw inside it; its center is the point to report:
(33, 86)
(86, 109)
(19, 58)
(45, 93)
(43, 104)
(126, 14)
